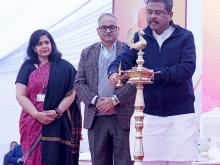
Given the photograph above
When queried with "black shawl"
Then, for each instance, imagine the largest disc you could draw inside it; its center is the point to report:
(61, 138)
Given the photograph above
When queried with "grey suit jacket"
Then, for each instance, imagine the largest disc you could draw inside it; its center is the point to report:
(86, 87)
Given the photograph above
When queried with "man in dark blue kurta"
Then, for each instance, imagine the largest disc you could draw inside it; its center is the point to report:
(169, 109)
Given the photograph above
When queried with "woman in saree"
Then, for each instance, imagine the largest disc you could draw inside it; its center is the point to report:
(50, 121)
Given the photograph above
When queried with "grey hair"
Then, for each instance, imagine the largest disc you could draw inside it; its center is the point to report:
(168, 4)
(106, 14)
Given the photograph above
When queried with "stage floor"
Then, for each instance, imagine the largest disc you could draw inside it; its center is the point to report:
(85, 158)
(84, 162)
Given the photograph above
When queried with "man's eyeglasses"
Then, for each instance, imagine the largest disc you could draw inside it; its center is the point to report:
(156, 12)
(104, 28)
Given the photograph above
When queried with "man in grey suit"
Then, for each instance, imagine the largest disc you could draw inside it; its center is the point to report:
(107, 111)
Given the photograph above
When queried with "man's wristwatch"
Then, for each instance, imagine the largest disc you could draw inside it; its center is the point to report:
(114, 101)
(96, 100)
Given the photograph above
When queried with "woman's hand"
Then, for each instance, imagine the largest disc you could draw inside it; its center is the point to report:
(46, 117)
(51, 114)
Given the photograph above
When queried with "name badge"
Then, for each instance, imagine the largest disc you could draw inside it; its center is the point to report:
(40, 97)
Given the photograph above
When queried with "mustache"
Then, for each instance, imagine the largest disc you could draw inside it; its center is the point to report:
(108, 34)
(153, 21)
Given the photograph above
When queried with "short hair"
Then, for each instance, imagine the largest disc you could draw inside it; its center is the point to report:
(13, 142)
(106, 14)
(168, 4)
(34, 39)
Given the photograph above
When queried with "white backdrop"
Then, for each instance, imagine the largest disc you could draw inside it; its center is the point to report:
(73, 25)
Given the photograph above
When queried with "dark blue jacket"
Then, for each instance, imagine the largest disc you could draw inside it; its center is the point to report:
(5, 162)
(13, 156)
(172, 91)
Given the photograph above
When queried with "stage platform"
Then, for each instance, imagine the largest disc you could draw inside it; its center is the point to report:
(85, 162)
(85, 158)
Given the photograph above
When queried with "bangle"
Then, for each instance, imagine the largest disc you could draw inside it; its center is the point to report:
(36, 114)
(59, 112)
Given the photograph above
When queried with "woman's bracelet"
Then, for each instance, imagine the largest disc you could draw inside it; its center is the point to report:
(36, 114)
(59, 112)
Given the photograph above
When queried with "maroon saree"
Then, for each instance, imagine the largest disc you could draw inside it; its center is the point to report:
(30, 128)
